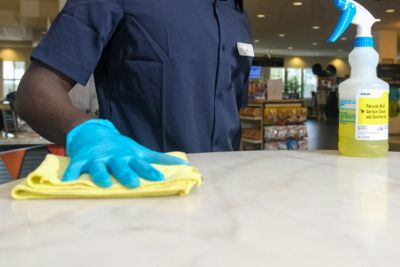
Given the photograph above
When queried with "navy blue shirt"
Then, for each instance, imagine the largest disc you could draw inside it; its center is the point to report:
(168, 72)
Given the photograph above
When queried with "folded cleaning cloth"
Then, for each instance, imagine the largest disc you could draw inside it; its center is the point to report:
(45, 182)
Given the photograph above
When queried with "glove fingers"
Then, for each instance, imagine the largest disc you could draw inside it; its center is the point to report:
(164, 159)
(99, 173)
(145, 170)
(73, 172)
(123, 173)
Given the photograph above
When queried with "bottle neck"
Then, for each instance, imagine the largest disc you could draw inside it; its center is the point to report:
(364, 62)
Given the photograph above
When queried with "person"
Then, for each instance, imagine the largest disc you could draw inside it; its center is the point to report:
(322, 96)
(170, 75)
(314, 111)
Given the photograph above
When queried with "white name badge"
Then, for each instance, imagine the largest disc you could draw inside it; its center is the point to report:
(245, 50)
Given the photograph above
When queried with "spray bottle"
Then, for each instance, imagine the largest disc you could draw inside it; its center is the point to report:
(363, 98)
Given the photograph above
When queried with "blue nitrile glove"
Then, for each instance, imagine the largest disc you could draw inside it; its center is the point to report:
(96, 147)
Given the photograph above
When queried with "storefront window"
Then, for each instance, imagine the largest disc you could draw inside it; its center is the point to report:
(277, 74)
(298, 82)
(12, 74)
(310, 83)
(293, 84)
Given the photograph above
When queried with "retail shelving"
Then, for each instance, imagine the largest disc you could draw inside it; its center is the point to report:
(256, 123)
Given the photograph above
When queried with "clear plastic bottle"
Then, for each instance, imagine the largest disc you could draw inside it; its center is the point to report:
(363, 98)
(363, 107)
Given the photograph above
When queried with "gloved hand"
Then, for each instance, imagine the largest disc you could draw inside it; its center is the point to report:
(96, 147)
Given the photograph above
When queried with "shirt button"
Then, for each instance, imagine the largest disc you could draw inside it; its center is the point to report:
(220, 95)
(223, 47)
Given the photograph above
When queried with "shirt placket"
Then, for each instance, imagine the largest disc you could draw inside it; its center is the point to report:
(217, 140)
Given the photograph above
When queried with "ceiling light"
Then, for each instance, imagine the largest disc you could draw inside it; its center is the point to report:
(297, 3)
(343, 38)
(315, 43)
(391, 10)
(281, 35)
(316, 27)
(261, 16)
(256, 41)
(290, 48)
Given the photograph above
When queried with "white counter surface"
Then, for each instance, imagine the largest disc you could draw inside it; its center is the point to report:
(254, 209)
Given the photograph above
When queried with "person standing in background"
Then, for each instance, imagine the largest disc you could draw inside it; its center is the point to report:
(322, 98)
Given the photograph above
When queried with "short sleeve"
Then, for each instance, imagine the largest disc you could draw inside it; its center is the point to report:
(78, 35)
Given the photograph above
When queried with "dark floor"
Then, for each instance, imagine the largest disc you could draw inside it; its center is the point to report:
(324, 135)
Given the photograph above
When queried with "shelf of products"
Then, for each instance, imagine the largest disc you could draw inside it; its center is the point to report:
(274, 125)
(253, 134)
(285, 129)
(251, 113)
(250, 141)
(290, 137)
(389, 73)
(250, 118)
(252, 122)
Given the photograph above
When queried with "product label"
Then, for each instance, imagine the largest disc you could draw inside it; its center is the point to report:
(372, 121)
(347, 111)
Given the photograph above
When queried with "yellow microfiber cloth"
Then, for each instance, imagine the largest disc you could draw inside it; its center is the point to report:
(45, 182)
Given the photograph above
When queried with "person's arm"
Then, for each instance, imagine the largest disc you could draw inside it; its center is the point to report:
(94, 146)
(42, 101)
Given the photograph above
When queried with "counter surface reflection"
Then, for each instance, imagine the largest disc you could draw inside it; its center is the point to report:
(255, 209)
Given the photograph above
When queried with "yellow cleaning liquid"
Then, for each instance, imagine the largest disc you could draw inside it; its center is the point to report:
(363, 108)
(348, 145)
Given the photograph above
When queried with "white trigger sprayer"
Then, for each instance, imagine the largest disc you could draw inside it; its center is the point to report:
(353, 12)
(363, 98)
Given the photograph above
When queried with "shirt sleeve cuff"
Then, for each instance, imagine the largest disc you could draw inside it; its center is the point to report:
(62, 64)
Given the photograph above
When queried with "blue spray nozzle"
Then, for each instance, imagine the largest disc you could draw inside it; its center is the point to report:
(346, 18)
(341, 4)
(353, 12)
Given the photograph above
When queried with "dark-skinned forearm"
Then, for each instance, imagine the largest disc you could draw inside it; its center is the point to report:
(42, 101)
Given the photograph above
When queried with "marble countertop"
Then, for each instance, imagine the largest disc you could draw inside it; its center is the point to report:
(255, 209)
